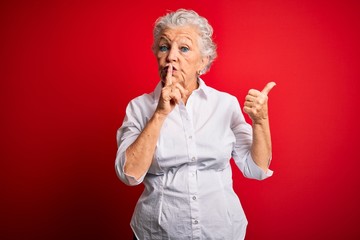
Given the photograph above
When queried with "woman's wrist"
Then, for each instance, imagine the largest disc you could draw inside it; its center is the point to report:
(159, 117)
(261, 122)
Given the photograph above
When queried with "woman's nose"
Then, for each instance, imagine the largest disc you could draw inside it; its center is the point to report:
(173, 54)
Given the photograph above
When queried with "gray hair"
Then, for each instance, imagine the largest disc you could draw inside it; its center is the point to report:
(183, 17)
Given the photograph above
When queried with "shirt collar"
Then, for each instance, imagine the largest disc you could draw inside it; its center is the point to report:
(202, 90)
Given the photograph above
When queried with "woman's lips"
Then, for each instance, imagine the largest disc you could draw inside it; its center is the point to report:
(164, 72)
(165, 69)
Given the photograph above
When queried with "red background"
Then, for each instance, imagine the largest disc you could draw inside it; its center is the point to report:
(68, 69)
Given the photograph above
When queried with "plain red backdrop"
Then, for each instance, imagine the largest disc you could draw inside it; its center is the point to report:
(68, 69)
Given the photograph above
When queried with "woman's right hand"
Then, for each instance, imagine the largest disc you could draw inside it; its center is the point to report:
(171, 93)
(140, 153)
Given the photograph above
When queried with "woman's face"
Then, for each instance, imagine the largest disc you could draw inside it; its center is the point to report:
(180, 48)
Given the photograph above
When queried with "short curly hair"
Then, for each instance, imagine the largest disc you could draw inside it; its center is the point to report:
(181, 18)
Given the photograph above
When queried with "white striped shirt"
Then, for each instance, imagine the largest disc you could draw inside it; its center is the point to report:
(188, 188)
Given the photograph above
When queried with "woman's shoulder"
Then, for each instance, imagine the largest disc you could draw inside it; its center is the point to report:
(144, 102)
(145, 97)
(220, 94)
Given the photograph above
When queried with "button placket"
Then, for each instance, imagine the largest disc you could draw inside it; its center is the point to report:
(192, 169)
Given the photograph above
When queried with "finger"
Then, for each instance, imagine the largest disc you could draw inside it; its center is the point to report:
(175, 95)
(268, 87)
(165, 93)
(182, 90)
(168, 79)
(248, 104)
(254, 93)
(247, 110)
(250, 98)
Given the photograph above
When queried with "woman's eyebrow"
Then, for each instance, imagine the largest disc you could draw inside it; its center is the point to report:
(185, 40)
(165, 38)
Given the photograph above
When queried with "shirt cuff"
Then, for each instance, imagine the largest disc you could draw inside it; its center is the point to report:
(132, 180)
(125, 178)
(256, 171)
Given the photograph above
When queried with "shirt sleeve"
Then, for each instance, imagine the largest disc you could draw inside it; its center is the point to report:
(126, 135)
(241, 151)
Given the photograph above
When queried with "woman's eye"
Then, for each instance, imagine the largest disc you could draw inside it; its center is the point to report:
(184, 49)
(163, 48)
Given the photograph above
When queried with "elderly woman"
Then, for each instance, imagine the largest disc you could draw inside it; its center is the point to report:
(179, 139)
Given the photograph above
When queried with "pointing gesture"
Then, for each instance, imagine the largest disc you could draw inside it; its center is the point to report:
(256, 103)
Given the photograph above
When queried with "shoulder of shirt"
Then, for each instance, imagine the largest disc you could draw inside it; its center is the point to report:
(144, 96)
(210, 91)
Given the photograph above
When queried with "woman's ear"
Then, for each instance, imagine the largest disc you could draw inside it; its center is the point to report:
(204, 63)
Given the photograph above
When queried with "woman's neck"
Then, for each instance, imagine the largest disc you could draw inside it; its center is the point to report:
(190, 87)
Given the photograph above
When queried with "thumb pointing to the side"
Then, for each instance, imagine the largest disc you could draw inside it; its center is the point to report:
(268, 87)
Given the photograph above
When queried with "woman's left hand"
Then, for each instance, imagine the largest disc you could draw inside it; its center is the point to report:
(256, 103)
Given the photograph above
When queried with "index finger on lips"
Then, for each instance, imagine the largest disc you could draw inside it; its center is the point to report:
(168, 80)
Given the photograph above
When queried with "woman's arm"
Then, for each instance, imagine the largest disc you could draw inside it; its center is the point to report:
(256, 106)
(140, 153)
(261, 146)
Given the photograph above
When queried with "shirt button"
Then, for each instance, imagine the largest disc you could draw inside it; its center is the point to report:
(194, 197)
(196, 222)
(193, 159)
(190, 137)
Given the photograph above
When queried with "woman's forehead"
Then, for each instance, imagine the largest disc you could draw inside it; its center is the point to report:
(180, 33)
